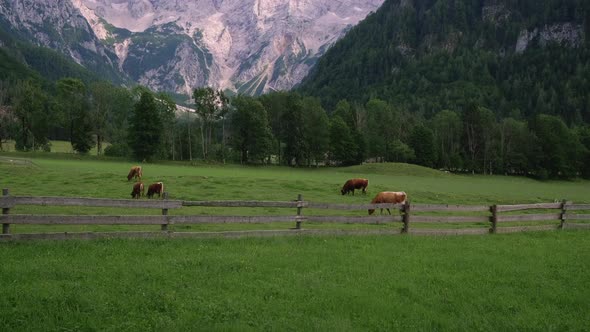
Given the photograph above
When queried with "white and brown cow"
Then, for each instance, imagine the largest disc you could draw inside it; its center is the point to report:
(394, 197)
(135, 172)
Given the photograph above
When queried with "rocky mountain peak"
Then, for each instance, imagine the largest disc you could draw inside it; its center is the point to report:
(250, 46)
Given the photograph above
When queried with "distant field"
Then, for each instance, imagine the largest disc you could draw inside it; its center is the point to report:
(56, 146)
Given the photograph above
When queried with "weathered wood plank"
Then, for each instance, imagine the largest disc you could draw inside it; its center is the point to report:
(84, 236)
(530, 217)
(299, 211)
(230, 219)
(518, 207)
(278, 204)
(287, 232)
(447, 207)
(518, 229)
(571, 216)
(448, 219)
(334, 206)
(355, 219)
(6, 202)
(180, 235)
(5, 211)
(95, 202)
(83, 220)
(569, 225)
(463, 231)
(572, 207)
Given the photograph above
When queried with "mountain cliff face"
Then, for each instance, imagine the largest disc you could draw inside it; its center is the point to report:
(250, 46)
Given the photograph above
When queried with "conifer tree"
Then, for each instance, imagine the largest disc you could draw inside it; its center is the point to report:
(145, 131)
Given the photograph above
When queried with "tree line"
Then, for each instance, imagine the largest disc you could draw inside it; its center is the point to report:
(287, 128)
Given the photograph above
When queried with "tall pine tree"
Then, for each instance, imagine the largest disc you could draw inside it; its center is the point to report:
(145, 132)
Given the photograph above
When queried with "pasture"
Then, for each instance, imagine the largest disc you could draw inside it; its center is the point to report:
(534, 281)
(90, 177)
(515, 282)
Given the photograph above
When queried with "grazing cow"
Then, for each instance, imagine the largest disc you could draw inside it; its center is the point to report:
(394, 197)
(155, 188)
(138, 190)
(136, 172)
(353, 184)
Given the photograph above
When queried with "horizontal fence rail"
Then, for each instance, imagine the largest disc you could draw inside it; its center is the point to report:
(333, 206)
(454, 208)
(530, 217)
(11, 201)
(519, 207)
(292, 204)
(483, 219)
(451, 219)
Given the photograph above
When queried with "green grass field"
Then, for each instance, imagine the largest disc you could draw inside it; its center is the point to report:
(90, 177)
(517, 282)
(535, 281)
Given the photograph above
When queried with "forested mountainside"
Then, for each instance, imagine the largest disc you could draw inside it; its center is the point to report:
(518, 58)
(21, 60)
(53, 32)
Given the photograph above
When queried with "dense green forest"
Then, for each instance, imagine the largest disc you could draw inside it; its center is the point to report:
(426, 56)
(438, 83)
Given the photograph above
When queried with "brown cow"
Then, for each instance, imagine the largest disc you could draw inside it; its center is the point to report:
(138, 190)
(353, 184)
(155, 188)
(136, 172)
(394, 197)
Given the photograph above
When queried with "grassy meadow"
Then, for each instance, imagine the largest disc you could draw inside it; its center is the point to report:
(92, 177)
(528, 281)
(516, 282)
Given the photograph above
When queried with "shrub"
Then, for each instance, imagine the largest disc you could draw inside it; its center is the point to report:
(117, 150)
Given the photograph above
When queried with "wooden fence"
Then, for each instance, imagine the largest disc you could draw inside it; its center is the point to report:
(481, 219)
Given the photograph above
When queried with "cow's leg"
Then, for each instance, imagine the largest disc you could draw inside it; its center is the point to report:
(388, 211)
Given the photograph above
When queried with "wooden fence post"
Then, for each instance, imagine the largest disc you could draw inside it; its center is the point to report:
(563, 212)
(165, 213)
(5, 227)
(299, 211)
(406, 217)
(494, 218)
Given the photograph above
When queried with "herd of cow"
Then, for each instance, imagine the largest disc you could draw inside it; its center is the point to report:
(394, 197)
(138, 188)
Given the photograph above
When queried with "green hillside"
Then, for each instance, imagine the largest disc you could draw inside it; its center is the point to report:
(426, 56)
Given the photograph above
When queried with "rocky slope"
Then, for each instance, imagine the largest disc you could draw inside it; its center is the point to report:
(58, 25)
(250, 46)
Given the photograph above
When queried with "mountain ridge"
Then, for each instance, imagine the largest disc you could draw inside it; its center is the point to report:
(448, 54)
(251, 46)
